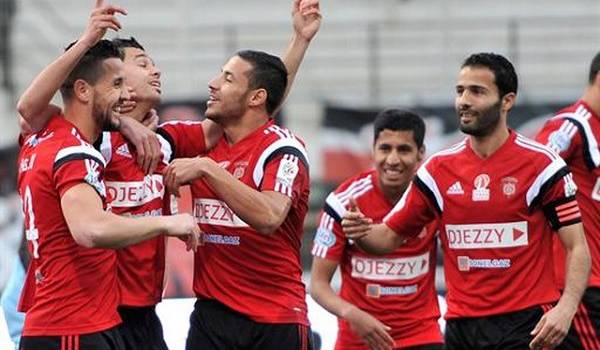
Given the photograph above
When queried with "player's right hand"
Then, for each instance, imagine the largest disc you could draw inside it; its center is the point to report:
(184, 226)
(372, 331)
(354, 223)
(102, 18)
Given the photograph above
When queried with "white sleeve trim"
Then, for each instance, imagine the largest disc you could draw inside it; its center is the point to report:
(258, 172)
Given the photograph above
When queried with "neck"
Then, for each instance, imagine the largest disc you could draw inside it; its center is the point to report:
(592, 98)
(81, 117)
(393, 194)
(237, 129)
(485, 146)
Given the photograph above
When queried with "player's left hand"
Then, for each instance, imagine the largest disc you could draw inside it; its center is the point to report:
(552, 328)
(306, 16)
(182, 171)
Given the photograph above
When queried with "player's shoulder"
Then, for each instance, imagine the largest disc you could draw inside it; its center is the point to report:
(275, 134)
(356, 184)
(445, 156)
(535, 151)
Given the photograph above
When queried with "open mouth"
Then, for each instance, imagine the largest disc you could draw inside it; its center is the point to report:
(156, 85)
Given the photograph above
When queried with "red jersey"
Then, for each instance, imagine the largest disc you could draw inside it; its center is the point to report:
(252, 273)
(398, 288)
(575, 134)
(69, 289)
(497, 216)
(140, 267)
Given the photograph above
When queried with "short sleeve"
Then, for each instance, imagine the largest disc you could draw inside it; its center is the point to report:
(286, 173)
(412, 212)
(79, 164)
(330, 241)
(184, 139)
(561, 135)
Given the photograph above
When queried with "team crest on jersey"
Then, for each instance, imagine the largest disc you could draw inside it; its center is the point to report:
(240, 169)
(325, 238)
(509, 186)
(559, 140)
(481, 192)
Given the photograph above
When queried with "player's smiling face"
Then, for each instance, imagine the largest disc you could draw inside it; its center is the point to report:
(109, 92)
(477, 103)
(229, 91)
(396, 156)
(142, 75)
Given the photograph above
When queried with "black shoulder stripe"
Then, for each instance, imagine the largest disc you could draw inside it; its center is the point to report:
(75, 156)
(589, 162)
(329, 210)
(547, 185)
(427, 192)
(162, 132)
(287, 150)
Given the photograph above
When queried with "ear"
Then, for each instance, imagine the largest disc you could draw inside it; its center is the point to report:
(421, 153)
(258, 97)
(82, 90)
(508, 101)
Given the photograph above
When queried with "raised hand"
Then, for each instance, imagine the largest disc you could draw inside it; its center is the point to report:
(355, 224)
(102, 18)
(306, 15)
(371, 330)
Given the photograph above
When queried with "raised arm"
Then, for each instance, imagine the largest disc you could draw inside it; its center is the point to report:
(34, 105)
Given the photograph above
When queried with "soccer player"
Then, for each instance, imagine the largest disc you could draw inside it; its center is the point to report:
(575, 134)
(498, 198)
(389, 301)
(250, 197)
(141, 266)
(71, 291)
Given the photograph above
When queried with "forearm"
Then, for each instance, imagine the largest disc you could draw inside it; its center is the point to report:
(292, 59)
(578, 264)
(113, 231)
(40, 92)
(380, 240)
(253, 207)
(325, 296)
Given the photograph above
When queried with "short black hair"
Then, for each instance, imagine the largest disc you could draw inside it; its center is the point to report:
(122, 44)
(505, 75)
(400, 120)
(89, 67)
(594, 68)
(269, 73)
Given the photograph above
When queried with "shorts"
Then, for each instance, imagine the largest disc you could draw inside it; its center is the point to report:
(510, 331)
(106, 340)
(584, 333)
(215, 326)
(141, 328)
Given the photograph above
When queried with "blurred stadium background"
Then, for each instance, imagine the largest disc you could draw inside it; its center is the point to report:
(367, 56)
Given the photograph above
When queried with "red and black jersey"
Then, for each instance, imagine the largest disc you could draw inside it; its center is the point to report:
(497, 218)
(397, 288)
(69, 289)
(252, 273)
(141, 267)
(575, 134)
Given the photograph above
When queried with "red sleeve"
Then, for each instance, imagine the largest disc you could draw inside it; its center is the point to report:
(286, 173)
(185, 138)
(561, 135)
(329, 240)
(412, 212)
(79, 164)
(559, 202)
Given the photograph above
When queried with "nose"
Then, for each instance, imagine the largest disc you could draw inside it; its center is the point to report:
(393, 158)
(156, 72)
(463, 100)
(125, 95)
(213, 84)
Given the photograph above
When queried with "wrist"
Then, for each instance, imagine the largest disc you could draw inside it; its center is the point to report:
(297, 38)
(347, 311)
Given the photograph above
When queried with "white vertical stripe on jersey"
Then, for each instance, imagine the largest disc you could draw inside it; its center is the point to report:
(165, 148)
(106, 146)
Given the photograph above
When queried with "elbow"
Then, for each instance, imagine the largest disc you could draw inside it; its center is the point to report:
(25, 110)
(89, 236)
(269, 225)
